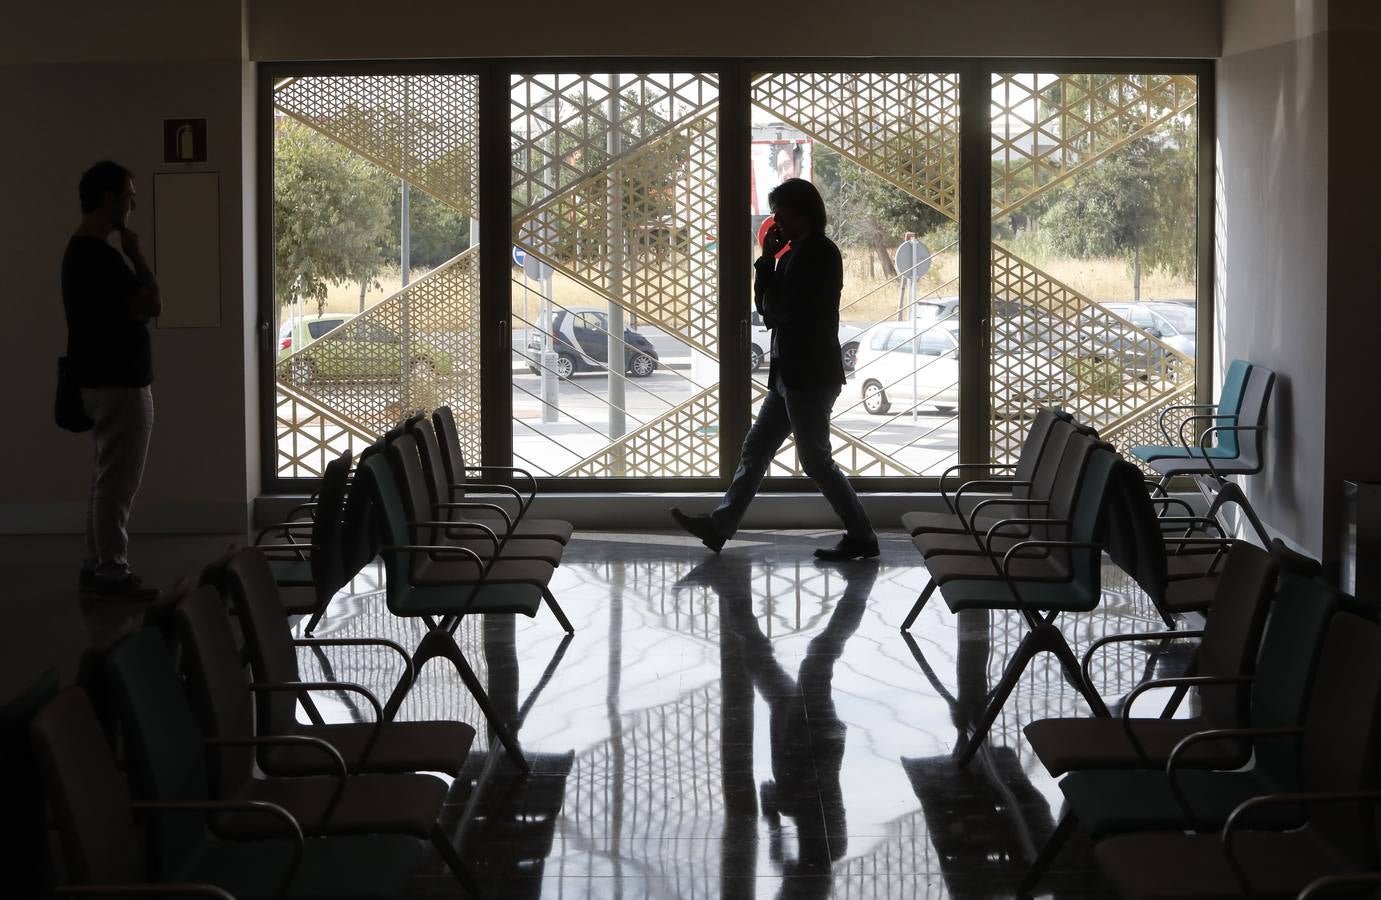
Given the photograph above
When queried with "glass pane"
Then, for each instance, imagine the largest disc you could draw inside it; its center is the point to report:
(1094, 194)
(372, 327)
(883, 149)
(615, 205)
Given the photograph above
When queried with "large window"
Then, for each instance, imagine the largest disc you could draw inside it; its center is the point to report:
(612, 337)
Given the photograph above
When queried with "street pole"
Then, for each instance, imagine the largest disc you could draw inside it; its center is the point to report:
(617, 420)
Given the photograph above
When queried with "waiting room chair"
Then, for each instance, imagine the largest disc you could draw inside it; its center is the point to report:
(1338, 798)
(105, 855)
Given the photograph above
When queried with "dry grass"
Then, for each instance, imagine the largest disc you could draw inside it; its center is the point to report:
(867, 296)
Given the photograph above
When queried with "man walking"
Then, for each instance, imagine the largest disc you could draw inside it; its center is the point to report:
(798, 299)
(108, 300)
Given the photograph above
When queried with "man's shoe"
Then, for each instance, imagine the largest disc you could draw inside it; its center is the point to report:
(130, 587)
(849, 548)
(700, 526)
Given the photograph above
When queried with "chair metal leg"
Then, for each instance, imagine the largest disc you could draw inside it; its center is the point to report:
(557, 611)
(448, 854)
(439, 642)
(1052, 848)
(920, 605)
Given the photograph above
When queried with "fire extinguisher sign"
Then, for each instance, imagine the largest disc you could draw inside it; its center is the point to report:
(184, 140)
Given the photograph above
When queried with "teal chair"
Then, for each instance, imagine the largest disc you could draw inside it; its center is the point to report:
(1229, 406)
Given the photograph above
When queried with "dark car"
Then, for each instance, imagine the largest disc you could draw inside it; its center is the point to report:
(580, 339)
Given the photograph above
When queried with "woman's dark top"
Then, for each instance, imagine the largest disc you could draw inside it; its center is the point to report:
(798, 299)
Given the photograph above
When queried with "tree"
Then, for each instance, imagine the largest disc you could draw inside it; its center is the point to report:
(1138, 200)
(865, 209)
(331, 215)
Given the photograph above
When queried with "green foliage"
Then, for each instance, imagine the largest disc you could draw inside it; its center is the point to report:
(866, 210)
(1138, 201)
(331, 215)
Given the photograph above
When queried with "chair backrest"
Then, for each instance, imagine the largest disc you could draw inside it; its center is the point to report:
(217, 684)
(328, 573)
(452, 451)
(1088, 514)
(1343, 734)
(1256, 400)
(412, 487)
(1069, 478)
(165, 757)
(88, 796)
(1230, 402)
(433, 467)
(1232, 635)
(1037, 441)
(1285, 669)
(268, 641)
(392, 521)
(24, 856)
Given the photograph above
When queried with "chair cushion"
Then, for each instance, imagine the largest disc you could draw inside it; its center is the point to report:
(971, 593)
(374, 867)
(539, 549)
(394, 803)
(1190, 563)
(449, 572)
(1173, 465)
(543, 529)
(933, 523)
(944, 568)
(1154, 452)
(402, 747)
(1171, 864)
(1064, 745)
(1115, 802)
(289, 571)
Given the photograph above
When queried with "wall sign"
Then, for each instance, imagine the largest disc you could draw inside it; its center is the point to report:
(184, 140)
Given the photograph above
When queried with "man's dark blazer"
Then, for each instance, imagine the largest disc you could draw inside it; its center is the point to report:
(798, 299)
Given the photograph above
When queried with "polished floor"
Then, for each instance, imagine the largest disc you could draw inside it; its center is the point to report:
(751, 725)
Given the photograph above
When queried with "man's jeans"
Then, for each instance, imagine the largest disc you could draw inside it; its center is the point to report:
(804, 413)
(123, 421)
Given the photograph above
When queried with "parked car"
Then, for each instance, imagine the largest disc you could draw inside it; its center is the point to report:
(366, 351)
(905, 364)
(761, 339)
(580, 339)
(1173, 323)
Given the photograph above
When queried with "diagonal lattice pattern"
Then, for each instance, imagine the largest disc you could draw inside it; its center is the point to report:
(901, 126)
(561, 124)
(422, 128)
(854, 455)
(1052, 346)
(308, 436)
(1045, 128)
(684, 440)
(640, 232)
(417, 349)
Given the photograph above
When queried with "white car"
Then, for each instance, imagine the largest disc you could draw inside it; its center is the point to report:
(762, 342)
(1171, 323)
(903, 365)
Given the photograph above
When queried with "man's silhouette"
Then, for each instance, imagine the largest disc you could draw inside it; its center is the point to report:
(108, 299)
(798, 299)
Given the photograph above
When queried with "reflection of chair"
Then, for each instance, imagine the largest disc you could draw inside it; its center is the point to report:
(103, 852)
(1338, 796)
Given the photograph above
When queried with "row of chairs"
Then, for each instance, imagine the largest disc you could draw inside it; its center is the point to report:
(341, 810)
(452, 546)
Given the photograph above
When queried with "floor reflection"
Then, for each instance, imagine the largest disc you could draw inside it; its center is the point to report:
(743, 726)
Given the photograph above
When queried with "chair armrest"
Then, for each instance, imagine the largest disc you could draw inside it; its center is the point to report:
(360, 642)
(136, 889)
(292, 830)
(512, 470)
(1129, 636)
(1172, 501)
(1328, 882)
(341, 773)
(480, 504)
(960, 467)
(473, 526)
(1184, 442)
(1231, 827)
(1013, 553)
(1005, 484)
(1158, 683)
(304, 687)
(436, 550)
(1179, 406)
(1003, 501)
